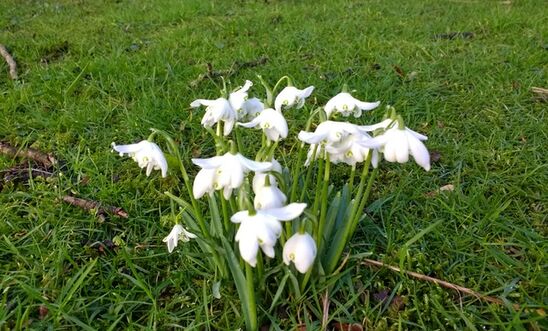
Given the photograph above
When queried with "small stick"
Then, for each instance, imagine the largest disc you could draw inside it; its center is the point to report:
(95, 205)
(46, 159)
(542, 93)
(325, 307)
(11, 62)
(440, 282)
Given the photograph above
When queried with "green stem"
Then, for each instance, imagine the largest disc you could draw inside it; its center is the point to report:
(309, 172)
(351, 182)
(319, 180)
(226, 219)
(289, 83)
(251, 297)
(295, 174)
(363, 201)
(323, 208)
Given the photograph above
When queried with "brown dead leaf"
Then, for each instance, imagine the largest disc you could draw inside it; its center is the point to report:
(447, 188)
(399, 71)
(541, 93)
(42, 312)
(435, 156)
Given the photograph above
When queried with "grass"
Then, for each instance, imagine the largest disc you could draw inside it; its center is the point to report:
(101, 71)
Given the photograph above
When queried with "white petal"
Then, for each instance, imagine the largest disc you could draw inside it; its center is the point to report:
(126, 149)
(416, 134)
(212, 162)
(249, 247)
(253, 165)
(286, 213)
(419, 152)
(254, 122)
(382, 125)
(240, 217)
(228, 127)
(268, 251)
(201, 102)
(203, 182)
(367, 105)
(306, 92)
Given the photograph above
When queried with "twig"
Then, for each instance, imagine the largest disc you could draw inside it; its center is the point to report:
(22, 173)
(541, 93)
(325, 316)
(234, 68)
(95, 205)
(440, 282)
(11, 62)
(47, 160)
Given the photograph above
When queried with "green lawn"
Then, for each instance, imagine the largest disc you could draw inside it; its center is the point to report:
(96, 72)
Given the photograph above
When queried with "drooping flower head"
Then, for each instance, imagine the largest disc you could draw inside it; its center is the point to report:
(252, 108)
(238, 98)
(176, 234)
(217, 110)
(301, 250)
(224, 172)
(259, 179)
(346, 104)
(262, 229)
(340, 141)
(272, 122)
(291, 96)
(146, 154)
(397, 142)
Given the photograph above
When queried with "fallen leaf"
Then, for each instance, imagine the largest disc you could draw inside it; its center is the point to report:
(42, 312)
(448, 187)
(435, 156)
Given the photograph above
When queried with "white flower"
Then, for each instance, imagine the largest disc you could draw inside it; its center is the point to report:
(229, 173)
(353, 149)
(398, 143)
(217, 110)
(291, 96)
(260, 177)
(238, 98)
(301, 250)
(262, 229)
(268, 197)
(272, 122)
(330, 132)
(146, 154)
(176, 234)
(252, 107)
(204, 182)
(346, 104)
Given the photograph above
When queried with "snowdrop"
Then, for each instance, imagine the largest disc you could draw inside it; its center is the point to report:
(259, 179)
(146, 154)
(262, 228)
(217, 110)
(291, 96)
(238, 98)
(301, 250)
(355, 148)
(229, 171)
(176, 234)
(252, 107)
(330, 132)
(346, 104)
(397, 143)
(272, 122)
(268, 197)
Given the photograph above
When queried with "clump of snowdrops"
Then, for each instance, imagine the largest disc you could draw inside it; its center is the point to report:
(254, 215)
